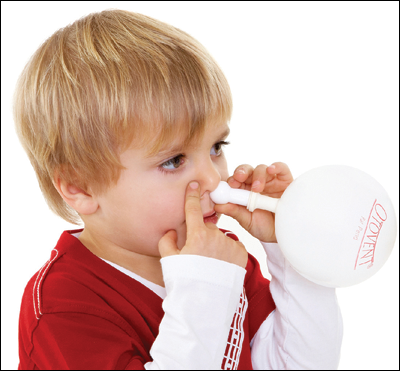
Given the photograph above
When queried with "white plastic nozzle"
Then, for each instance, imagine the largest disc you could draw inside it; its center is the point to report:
(224, 194)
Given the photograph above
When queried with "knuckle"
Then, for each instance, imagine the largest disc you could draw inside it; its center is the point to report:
(192, 208)
(240, 246)
(199, 236)
(192, 197)
(210, 225)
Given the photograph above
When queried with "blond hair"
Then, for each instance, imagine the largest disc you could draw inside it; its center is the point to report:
(106, 81)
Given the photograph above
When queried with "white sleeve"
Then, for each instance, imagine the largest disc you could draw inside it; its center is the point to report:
(202, 296)
(305, 330)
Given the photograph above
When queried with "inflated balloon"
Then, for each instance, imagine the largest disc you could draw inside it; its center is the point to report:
(335, 224)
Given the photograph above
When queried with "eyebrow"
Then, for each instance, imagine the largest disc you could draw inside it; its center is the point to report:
(180, 148)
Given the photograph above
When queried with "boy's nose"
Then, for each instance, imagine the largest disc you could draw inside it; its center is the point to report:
(209, 178)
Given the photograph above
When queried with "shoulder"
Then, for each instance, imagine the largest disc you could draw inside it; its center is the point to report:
(75, 280)
(60, 285)
(68, 281)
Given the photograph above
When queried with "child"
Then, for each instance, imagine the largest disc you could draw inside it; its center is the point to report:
(124, 119)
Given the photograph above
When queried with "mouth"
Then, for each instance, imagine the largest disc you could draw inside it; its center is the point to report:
(211, 217)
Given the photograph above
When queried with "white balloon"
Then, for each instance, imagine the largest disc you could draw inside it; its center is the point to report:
(335, 224)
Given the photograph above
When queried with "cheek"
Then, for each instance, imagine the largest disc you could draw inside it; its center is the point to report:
(167, 207)
(170, 213)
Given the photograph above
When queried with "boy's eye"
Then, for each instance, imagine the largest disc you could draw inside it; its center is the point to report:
(217, 147)
(173, 163)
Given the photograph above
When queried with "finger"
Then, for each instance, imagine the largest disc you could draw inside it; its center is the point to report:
(233, 183)
(259, 178)
(240, 213)
(242, 177)
(280, 170)
(194, 215)
(242, 173)
(167, 245)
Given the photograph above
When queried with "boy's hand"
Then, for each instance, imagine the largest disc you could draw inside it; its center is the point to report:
(270, 181)
(202, 239)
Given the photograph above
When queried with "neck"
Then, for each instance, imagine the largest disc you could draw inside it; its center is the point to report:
(146, 266)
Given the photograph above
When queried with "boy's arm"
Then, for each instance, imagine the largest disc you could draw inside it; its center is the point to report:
(203, 280)
(202, 296)
(305, 330)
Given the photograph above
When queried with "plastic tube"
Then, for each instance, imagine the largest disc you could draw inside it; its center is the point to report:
(252, 200)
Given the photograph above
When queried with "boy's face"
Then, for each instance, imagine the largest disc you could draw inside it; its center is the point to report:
(149, 198)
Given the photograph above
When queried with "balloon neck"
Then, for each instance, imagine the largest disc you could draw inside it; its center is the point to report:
(258, 201)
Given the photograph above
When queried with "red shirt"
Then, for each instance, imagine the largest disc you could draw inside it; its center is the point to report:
(79, 312)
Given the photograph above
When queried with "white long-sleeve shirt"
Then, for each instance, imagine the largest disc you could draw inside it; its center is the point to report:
(303, 332)
(306, 329)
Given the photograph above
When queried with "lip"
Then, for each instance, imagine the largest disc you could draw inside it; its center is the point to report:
(213, 218)
(212, 212)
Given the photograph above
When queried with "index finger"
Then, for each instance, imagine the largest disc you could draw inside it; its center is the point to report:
(242, 177)
(194, 215)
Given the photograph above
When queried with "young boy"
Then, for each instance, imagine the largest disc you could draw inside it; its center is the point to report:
(124, 119)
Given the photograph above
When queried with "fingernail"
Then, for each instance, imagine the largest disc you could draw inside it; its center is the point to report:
(194, 185)
(240, 171)
(272, 167)
(255, 184)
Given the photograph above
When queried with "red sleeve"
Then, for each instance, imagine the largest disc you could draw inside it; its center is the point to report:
(261, 303)
(81, 341)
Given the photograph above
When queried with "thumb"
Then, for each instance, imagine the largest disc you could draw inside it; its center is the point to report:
(167, 245)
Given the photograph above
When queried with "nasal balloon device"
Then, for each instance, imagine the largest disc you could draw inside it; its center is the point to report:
(335, 225)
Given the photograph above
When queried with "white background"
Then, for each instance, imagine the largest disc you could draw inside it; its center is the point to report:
(313, 82)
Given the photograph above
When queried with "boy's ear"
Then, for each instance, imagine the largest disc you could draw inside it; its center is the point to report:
(75, 197)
